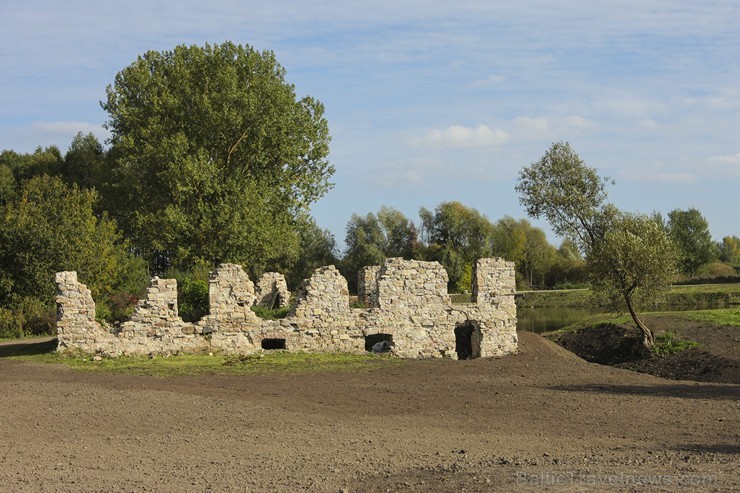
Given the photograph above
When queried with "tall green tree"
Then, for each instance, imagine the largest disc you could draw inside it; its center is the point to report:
(372, 238)
(84, 162)
(317, 248)
(729, 250)
(572, 197)
(690, 231)
(568, 194)
(52, 227)
(42, 161)
(458, 235)
(214, 157)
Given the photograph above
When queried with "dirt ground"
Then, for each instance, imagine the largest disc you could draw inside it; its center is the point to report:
(717, 359)
(540, 420)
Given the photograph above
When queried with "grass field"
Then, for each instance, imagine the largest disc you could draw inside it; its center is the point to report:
(683, 295)
(186, 364)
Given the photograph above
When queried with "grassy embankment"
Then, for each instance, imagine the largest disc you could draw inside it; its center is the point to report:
(693, 295)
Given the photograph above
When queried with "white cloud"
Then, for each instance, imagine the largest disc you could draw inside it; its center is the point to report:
(489, 81)
(59, 129)
(549, 127)
(657, 177)
(459, 136)
(726, 165)
(733, 159)
(41, 133)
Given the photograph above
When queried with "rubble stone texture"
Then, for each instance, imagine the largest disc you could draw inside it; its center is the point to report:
(367, 286)
(409, 304)
(272, 291)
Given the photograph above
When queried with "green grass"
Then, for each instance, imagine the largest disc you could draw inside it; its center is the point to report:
(192, 365)
(682, 295)
(670, 343)
(728, 316)
(706, 288)
(271, 313)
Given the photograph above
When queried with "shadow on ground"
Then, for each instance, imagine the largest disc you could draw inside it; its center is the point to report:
(28, 348)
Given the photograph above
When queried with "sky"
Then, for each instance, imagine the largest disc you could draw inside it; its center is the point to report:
(431, 101)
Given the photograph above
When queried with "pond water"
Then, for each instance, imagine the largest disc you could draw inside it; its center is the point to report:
(549, 318)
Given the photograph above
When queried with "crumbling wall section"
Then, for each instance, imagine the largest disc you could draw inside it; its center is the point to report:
(76, 325)
(272, 291)
(412, 306)
(494, 287)
(367, 286)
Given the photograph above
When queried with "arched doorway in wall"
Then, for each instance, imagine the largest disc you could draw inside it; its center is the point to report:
(467, 340)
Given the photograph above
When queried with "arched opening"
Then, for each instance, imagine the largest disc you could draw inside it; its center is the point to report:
(379, 343)
(467, 340)
(273, 343)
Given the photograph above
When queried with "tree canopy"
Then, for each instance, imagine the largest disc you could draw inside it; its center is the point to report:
(567, 193)
(626, 254)
(634, 262)
(689, 230)
(214, 155)
(51, 227)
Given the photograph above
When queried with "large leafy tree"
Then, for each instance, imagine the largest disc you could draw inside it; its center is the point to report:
(214, 156)
(633, 262)
(729, 250)
(457, 236)
(84, 162)
(568, 194)
(373, 237)
(51, 227)
(690, 231)
(572, 197)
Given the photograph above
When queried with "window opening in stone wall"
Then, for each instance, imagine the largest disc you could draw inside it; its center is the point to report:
(379, 343)
(467, 341)
(273, 343)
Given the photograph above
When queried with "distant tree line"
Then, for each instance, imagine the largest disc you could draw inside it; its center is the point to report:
(213, 158)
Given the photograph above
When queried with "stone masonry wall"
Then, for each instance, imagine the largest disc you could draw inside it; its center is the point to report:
(367, 285)
(413, 308)
(272, 291)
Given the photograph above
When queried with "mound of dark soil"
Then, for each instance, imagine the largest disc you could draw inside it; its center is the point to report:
(693, 364)
(606, 344)
(716, 360)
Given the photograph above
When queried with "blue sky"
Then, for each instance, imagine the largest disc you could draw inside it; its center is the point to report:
(431, 101)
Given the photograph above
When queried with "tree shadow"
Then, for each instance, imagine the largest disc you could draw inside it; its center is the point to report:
(28, 348)
(683, 390)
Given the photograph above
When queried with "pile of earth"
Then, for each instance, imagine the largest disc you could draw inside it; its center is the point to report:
(717, 359)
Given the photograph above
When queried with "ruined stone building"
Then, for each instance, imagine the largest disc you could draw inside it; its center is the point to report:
(407, 305)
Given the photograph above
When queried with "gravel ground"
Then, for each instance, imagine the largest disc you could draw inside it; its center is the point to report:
(540, 420)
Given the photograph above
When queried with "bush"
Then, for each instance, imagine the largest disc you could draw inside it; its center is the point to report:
(271, 314)
(192, 297)
(715, 269)
(118, 308)
(670, 343)
(11, 325)
(27, 317)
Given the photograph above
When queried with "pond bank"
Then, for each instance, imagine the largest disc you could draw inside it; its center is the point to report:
(690, 295)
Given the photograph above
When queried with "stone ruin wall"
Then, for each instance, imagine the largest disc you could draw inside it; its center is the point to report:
(411, 305)
(272, 291)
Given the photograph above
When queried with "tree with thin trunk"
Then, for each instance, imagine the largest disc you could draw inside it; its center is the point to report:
(633, 263)
(629, 257)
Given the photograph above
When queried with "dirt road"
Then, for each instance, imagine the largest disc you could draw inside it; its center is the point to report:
(541, 420)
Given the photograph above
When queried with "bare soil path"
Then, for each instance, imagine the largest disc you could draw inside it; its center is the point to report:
(541, 420)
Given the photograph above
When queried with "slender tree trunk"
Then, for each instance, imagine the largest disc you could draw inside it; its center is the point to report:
(647, 336)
